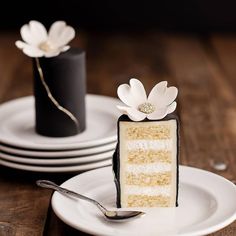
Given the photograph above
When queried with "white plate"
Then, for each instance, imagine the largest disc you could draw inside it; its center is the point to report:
(206, 204)
(56, 154)
(17, 125)
(56, 169)
(55, 161)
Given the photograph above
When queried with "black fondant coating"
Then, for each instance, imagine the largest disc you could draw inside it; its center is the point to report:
(116, 167)
(116, 159)
(65, 75)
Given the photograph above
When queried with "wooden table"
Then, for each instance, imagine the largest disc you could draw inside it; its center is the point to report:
(204, 70)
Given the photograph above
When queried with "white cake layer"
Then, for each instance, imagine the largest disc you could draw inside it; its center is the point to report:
(150, 191)
(166, 144)
(148, 168)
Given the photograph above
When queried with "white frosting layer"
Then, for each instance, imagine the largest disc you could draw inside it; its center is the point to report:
(166, 144)
(151, 191)
(148, 168)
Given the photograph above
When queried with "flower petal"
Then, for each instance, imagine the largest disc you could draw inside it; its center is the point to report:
(66, 36)
(132, 113)
(132, 95)
(56, 28)
(171, 108)
(158, 89)
(170, 95)
(29, 50)
(27, 36)
(65, 48)
(20, 44)
(38, 31)
(125, 94)
(60, 34)
(138, 88)
(158, 114)
(32, 51)
(161, 96)
(34, 33)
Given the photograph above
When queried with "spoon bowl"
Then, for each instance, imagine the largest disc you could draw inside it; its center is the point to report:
(110, 215)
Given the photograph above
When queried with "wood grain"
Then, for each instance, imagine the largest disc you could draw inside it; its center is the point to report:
(203, 68)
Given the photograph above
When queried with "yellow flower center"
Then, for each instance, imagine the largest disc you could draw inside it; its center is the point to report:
(146, 108)
(46, 46)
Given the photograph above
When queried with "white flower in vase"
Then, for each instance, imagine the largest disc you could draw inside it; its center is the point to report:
(38, 42)
(159, 103)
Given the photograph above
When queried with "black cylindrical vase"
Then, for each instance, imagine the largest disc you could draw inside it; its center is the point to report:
(65, 76)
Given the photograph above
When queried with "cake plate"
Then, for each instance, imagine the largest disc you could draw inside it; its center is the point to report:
(17, 125)
(206, 204)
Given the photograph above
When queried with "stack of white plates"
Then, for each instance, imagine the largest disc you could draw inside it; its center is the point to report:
(22, 148)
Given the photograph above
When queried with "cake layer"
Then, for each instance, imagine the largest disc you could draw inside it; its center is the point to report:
(148, 156)
(152, 132)
(144, 144)
(150, 191)
(152, 179)
(148, 168)
(148, 201)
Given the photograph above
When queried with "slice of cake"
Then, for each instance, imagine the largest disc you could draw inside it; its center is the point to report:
(146, 159)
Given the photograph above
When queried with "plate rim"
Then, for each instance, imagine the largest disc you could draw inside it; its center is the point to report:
(57, 161)
(206, 231)
(60, 169)
(57, 154)
(69, 146)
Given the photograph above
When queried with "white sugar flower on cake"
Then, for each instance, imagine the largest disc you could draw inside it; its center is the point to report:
(38, 42)
(159, 103)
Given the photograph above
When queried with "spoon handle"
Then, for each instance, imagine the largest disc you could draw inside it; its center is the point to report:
(51, 185)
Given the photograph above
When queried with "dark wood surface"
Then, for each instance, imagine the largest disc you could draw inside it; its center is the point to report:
(204, 70)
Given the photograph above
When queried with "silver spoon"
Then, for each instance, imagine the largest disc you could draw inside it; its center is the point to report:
(109, 215)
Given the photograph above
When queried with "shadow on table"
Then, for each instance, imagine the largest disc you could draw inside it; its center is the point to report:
(28, 177)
